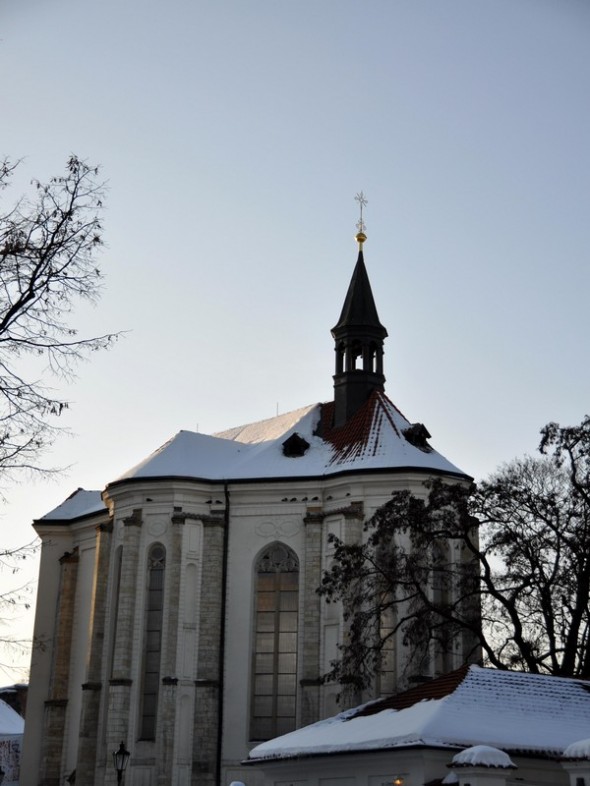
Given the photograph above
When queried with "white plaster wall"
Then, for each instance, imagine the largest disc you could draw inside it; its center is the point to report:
(416, 766)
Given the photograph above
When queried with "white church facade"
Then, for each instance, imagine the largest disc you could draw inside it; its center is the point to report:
(178, 609)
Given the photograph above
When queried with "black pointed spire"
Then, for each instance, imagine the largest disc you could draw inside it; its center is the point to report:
(358, 337)
(359, 308)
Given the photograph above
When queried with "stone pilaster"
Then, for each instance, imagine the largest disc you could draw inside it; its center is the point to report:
(92, 689)
(117, 721)
(353, 533)
(207, 697)
(167, 701)
(311, 617)
(56, 704)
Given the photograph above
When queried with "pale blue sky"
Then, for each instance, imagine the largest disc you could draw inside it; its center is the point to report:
(234, 136)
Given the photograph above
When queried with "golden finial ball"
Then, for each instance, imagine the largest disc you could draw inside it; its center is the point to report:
(360, 237)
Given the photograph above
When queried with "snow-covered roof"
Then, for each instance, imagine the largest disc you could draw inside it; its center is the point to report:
(80, 503)
(10, 721)
(373, 439)
(511, 711)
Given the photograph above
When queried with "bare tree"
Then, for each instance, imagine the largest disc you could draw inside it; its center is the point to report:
(502, 569)
(48, 247)
(14, 601)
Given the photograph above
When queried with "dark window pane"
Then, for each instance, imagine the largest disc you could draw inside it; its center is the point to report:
(263, 729)
(153, 640)
(286, 684)
(287, 642)
(286, 707)
(154, 620)
(287, 664)
(263, 685)
(264, 664)
(150, 683)
(289, 601)
(288, 621)
(266, 601)
(265, 642)
(267, 582)
(265, 621)
(263, 706)
(152, 661)
(156, 580)
(289, 581)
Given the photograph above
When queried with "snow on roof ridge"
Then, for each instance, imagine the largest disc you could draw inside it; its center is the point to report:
(267, 429)
(81, 502)
(254, 451)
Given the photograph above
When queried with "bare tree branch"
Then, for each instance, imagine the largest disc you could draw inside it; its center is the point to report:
(507, 563)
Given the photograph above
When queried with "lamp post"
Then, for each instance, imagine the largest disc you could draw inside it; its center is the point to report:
(2, 774)
(120, 760)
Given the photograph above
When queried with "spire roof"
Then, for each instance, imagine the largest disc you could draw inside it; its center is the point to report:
(359, 308)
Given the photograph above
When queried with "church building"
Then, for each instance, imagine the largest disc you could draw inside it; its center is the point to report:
(177, 610)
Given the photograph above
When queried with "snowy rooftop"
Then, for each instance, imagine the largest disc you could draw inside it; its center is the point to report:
(373, 439)
(10, 721)
(80, 503)
(511, 711)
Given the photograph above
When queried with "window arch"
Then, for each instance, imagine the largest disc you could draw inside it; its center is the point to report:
(152, 640)
(274, 679)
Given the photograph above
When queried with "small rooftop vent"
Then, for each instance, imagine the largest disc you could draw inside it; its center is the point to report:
(417, 435)
(295, 446)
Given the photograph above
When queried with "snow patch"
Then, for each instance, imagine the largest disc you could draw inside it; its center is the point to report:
(483, 756)
(10, 721)
(578, 750)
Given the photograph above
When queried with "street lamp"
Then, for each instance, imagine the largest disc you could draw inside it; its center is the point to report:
(120, 760)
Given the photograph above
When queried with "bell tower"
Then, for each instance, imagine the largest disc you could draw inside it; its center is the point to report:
(358, 338)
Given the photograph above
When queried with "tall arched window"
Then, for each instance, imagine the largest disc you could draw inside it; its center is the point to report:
(152, 641)
(274, 687)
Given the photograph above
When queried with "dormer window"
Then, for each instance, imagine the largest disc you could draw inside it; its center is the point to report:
(295, 446)
(418, 435)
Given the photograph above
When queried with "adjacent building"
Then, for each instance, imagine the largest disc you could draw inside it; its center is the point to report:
(471, 727)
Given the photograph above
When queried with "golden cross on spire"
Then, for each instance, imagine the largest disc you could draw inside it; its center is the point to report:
(360, 224)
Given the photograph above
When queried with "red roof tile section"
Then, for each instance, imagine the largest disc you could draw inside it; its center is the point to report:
(360, 435)
(433, 689)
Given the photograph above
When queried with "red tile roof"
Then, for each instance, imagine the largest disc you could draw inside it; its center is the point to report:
(433, 689)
